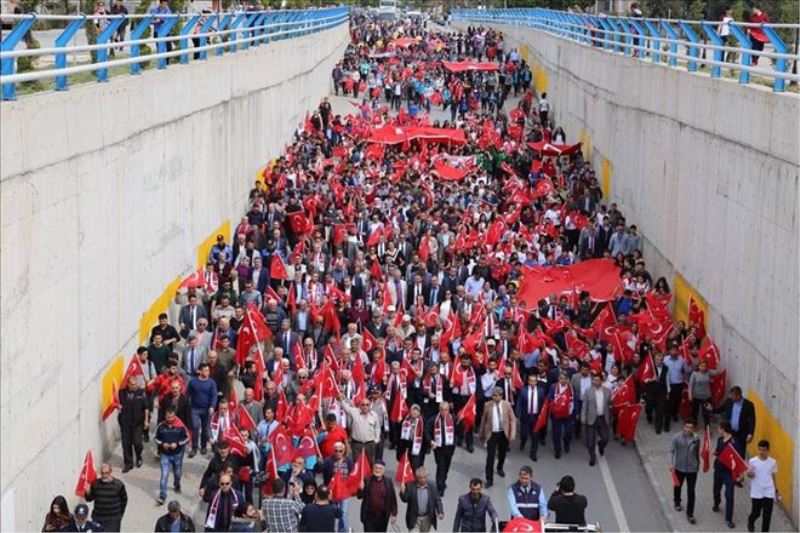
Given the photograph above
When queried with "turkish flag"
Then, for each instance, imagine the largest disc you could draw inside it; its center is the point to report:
(718, 385)
(299, 223)
(404, 473)
(237, 443)
(374, 238)
(622, 349)
(194, 280)
(554, 326)
(245, 420)
(277, 269)
(675, 481)
(467, 414)
(283, 406)
(624, 394)
(299, 250)
(114, 405)
(377, 274)
(244, 343)
(134, 370)
(369, 342)
(308, 445)
(257, 322)
(411, 374)
(516, 379)
(424, 250)
(399, 409)
(544, 187)
(709, 353)
(361, 470)
(88, 474)
(604, 318)
(578, 348)
(705, 451)
(522, 524)
(627, 418)
(697, 317)
(270, 294)
(733, 461)
(544, 413)
(329, 387)
(258, 385)
(646, 370)
(495, 232)
(337, 488)
(282, 445)
(340, 232)
(271, 470)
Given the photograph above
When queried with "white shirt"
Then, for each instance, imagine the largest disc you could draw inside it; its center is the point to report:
(598, 396)
(762, 485)
(725, 27)
(496, 417)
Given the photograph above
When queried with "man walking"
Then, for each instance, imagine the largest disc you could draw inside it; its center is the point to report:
(529, 404)
(526, 498)
(424, 504)
(110, 499)
(596, 416)
(472, 509)
(722, 474)
(282, 514)
(685, 454)
(80, 521)
(202, 393)
(171, 438)
(498, 429)
(763, 490)
(134, 418)
(443, 444)
(379, 504)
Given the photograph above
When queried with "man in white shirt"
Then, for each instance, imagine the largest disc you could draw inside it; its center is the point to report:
(763, 491)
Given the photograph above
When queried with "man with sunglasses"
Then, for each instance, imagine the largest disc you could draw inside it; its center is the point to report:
(365, 428)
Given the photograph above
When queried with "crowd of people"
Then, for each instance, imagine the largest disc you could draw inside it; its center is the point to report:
(370, 304)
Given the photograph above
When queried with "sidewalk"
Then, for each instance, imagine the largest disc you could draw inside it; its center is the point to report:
(654, 452)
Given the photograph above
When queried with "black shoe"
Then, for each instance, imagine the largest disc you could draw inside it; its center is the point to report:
(691, 519)
(533, 458)
(566, 448)
(521, 446)
(177, 490)
(558, 455)
(592, 462)
(715, 508)
(750, 526)
(500, 472)
(678, 507)
(470, 448)
(203, 450)
(138, 462)
(739, 484)
(391, 446)
(127, 469)
(192, 453)
(658, 432)
(730, 524)
(146, 438)
(601, 450)
(488, 484)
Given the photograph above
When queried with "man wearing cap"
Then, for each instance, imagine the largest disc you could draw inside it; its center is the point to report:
(379, 501)
(80, 520)
(174, 520)
(220, 248)
(498, 428)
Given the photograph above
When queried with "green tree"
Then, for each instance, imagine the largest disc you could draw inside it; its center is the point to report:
(28, 63)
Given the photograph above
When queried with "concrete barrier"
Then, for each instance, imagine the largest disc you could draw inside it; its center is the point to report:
(111, 192)
(708, 169)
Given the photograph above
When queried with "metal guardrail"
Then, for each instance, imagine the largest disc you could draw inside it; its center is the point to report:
(662, 39)
(219, 32)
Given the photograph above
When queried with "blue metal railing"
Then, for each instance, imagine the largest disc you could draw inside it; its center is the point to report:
(220, 32)
(661, 40)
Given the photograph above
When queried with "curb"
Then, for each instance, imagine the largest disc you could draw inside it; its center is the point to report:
(651, 476)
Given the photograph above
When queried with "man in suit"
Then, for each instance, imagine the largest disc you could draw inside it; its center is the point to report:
(260, 275)
(596, 416)
(656, 390)
(434, 293)
(498, 428)
(590, 245)
(530, 400)
(190, 314)
(422, 517)
(417, 288)
(287, 339)
(194, 354)
(740, 413)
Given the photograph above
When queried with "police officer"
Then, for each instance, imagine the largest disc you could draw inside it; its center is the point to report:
(134, 419)
(526, 497)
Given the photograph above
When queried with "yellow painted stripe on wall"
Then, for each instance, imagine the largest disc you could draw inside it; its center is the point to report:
(540, 79)
(112, 375)
(606, 169)
(160, 305)
(781, 446)
(202, 250)
(683, 291)
(525, 53)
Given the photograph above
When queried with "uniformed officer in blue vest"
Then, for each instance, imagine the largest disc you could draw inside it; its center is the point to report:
(526, 498)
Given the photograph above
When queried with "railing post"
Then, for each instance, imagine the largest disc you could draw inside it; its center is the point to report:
(8, 66)
(103, 38)
(613, 22)
(223, 24)
(628, 30)
(61, 57)
(693, 51)
(744, 43)
(163, 31)
(246, 29)
(655, 46)
(232, 46)
(185, 31)
(641, 36)
(781, 65)
(205, 27)
(713, 36)
(136, 34)
(605, 27)
(672, 56)
(259, 31)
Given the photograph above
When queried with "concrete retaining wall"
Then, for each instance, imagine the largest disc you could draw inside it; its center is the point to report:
(708, 169)
(107, 191)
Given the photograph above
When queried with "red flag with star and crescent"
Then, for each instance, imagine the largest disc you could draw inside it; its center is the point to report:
(88, 474)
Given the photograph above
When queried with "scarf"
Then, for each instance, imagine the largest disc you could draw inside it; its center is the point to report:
(220, 426)
(211, 521)
(400, 379)
(405, 433)
(449, 430)
(426, 384)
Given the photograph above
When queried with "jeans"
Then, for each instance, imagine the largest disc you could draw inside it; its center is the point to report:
(175, 462)
(343, 525)
(200, 427)
(691, 481)
(562, 432)
(722, 477)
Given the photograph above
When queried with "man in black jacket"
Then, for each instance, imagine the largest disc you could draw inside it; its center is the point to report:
(110, 499)
(656, 390)
(184, 522)
(424, 508)
(740, 413)
(473, 508)
(134, 419)
(379, 503)
(568, 506)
